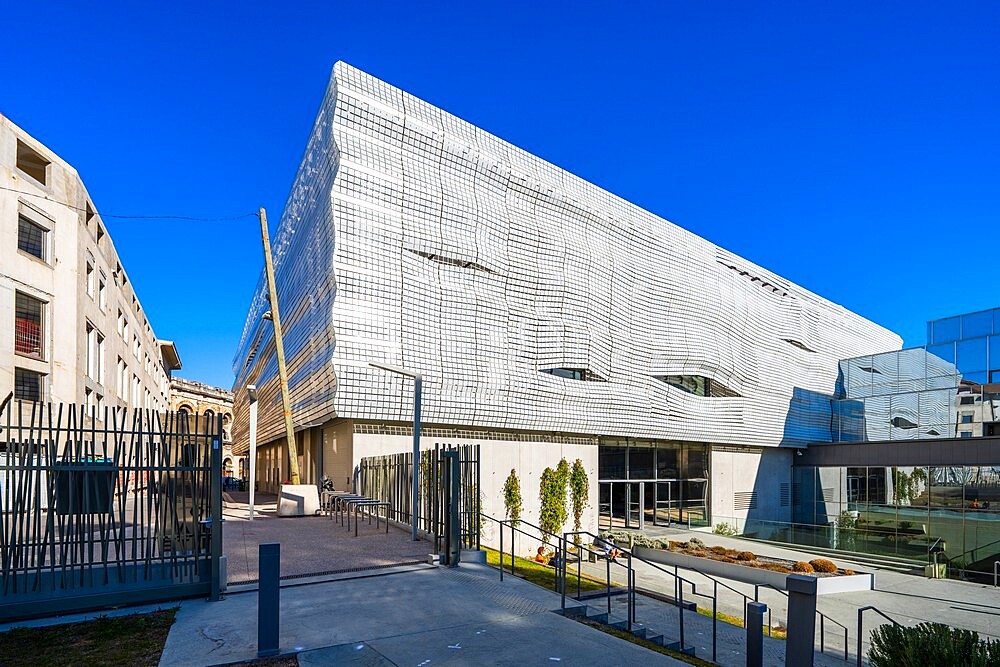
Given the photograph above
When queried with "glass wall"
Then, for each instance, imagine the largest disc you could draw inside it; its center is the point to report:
(909, 512)
(652, 481)
(919, 394)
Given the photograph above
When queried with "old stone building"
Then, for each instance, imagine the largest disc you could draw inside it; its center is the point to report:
(199, 398)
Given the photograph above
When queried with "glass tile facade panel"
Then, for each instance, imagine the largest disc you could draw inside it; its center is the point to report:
(918, 393)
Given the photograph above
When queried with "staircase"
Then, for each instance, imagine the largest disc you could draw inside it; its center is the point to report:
(638, 630)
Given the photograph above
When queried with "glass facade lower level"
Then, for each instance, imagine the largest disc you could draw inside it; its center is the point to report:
(652, 481)
(907, 512)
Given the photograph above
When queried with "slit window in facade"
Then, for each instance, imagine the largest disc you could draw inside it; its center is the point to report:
(575, 374)
(28, 321)
(31, 238)
(700, 386)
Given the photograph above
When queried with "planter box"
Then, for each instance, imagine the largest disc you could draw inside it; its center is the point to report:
(754, 575)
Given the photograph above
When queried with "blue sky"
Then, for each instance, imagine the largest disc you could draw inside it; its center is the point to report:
(851, 147)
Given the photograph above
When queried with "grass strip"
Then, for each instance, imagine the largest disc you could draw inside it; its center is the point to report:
(543, 575)
(777, 633)
(645, 643)
(135, 641)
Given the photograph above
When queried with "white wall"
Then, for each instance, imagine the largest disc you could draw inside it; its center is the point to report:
(497, 458)
(763, 471)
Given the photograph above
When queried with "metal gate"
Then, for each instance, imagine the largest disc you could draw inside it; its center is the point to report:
(106, 509)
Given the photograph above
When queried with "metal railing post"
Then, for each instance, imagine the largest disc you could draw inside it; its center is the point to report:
(608, 584)
(822, 633)
(861, 612)
(501, 551)
(680, 613)
(996, 564)
(715, 617)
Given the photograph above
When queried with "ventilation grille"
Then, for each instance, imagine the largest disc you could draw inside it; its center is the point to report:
(745, 500)
(785, 494)
(828, 495)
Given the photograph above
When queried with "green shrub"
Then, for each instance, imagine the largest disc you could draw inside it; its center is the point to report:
(552, 498)
(512, 498)
(930, 644)
(579, 488)
(724, 529)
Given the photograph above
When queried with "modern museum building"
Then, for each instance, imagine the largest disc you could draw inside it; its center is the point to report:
(549, 319)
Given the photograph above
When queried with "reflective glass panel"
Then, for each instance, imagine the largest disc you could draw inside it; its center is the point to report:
(641, 462)
(971, 355)
(994, 346)
(977, 324)
(945, 330)
(944, 352)
(978, 378)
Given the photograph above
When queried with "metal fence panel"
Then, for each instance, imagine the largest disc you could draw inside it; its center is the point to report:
(106, 509)
(390, 478)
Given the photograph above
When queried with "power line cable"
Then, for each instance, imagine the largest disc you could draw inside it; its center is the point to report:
(129, 217)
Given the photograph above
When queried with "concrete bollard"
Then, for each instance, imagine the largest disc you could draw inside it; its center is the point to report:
(268, 599)
(755, 633)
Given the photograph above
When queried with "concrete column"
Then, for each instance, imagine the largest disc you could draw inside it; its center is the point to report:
(800, 647)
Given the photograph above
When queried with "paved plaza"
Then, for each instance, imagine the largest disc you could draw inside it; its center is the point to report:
(309, 545)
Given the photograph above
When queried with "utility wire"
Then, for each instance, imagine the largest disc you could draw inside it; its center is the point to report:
(131, 217)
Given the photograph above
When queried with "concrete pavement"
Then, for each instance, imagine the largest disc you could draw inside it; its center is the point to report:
(415, 615)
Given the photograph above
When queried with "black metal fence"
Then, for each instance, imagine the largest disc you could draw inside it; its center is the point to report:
(390, 478)
(106, 509)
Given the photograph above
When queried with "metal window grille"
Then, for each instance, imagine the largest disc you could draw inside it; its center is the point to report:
(30, 237)
(27, 385)
(27, 325)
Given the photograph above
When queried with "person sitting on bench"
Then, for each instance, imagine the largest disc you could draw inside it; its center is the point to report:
(611, 552)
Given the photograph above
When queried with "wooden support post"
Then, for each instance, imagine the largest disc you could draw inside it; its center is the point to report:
(293, 450)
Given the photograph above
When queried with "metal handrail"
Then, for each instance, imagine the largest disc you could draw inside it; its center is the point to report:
(679, 582)
(822, 621)
(507, 522)
(973, 550)
(861, 611)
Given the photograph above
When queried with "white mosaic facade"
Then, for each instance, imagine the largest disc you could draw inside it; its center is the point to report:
(413, 238)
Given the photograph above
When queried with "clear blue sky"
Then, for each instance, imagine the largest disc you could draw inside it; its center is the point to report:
(851, 147)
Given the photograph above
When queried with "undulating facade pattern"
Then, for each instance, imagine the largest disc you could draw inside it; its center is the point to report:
(529, 298)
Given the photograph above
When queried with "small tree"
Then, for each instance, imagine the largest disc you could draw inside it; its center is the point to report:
(579, 488)
(512, 498)
(552, 497)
